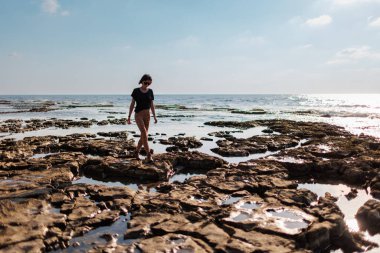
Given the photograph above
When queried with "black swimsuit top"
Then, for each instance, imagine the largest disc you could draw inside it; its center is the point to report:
(143, 100)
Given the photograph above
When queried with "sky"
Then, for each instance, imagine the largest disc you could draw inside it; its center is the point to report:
(190, 46)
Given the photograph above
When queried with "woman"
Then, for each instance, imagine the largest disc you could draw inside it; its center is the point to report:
(143, 97)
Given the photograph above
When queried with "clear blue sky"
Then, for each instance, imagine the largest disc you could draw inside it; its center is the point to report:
(189, 46)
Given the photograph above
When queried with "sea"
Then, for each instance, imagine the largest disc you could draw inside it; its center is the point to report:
(185, 115)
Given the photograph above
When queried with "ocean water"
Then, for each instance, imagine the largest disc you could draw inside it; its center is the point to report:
(358, 113)
(186, 115)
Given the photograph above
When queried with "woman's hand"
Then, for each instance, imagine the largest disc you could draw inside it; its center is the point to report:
(155, 119)
(129, 120)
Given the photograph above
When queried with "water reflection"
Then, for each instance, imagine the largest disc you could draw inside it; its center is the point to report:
(348, 206)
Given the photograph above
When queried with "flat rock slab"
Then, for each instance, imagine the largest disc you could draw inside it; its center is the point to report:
(25, 225)
(256, 144)
(192, 160)
(183, 143)
(129, 169)
(160, 170)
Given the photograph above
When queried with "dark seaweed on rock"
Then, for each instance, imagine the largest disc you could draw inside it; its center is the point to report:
(253, 111)
(29, 106)
(174, 107)
(19, 126)
(235, 124)
(90, 106)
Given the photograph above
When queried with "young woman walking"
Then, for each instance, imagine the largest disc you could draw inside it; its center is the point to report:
(143, 98)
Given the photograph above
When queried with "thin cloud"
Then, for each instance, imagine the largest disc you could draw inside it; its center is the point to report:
(296, 20)
(65, 13)
(181, 62)
(306, 46)
(189, 41)
(319, 21)
(50, 6)
(249, 39)
(375, 22)
(353, 2)
(353, 54)
(15, 55)
(53, 7)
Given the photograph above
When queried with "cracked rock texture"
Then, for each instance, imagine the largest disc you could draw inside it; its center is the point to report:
(253, 206)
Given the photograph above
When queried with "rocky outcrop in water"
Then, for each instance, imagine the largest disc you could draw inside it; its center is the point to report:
(312, 151)
(250, 206)
(181, 143)
(257, 144)
(20, 126)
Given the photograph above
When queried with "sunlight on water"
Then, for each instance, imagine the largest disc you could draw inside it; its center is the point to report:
(349, 207)
(354, 100)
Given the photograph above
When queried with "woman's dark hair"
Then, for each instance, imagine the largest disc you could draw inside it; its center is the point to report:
(144, 78)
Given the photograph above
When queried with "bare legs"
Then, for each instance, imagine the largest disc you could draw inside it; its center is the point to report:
(142, 120)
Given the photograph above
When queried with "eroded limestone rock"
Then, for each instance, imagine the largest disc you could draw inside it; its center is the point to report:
(26, 225)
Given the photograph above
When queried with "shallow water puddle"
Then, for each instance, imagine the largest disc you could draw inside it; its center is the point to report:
(55, 210)
(349, 206)
(94, 237)
(43, 155)
(287, 159)
(231, 200)
(240, 216)
(285, 214)
(248, 205)
(296, 224)
(199, 199)
(182, 177)
(177, 240)
(133, 186)
(244, 158)
(324, 148)
(300, 143)
(279, 219)
(291, 221)
(254, 131)
(87, 180)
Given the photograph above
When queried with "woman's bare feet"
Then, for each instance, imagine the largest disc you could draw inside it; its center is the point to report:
(149, 159)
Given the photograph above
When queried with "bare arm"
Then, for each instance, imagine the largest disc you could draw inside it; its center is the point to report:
(153, 111)
(131, 107)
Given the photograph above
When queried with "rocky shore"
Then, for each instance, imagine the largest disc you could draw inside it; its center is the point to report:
(252, 206)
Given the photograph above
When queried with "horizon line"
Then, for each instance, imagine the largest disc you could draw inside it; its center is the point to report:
(127, 94)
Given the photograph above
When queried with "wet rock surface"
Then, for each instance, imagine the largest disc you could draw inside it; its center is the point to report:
(21, 126)
(252, 111)
(30, 106)
(251, 206)
(257, 144)
(311, 150)
(181, 143)
(369, 216)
